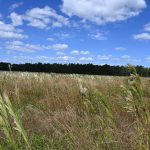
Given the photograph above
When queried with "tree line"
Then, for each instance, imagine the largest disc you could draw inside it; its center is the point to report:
(90, 69)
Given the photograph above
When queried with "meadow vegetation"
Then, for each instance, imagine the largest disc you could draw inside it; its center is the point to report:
(41, 111)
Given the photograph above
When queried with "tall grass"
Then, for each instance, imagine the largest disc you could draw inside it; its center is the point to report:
(71, 112)
(139, 108)
(10, 122)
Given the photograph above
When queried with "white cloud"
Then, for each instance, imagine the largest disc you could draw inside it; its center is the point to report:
(64, 58)
(104, 57)
(147, 27)
(51, 39)
(103, 11)
(126, 57)
(97, 36)
(148, 59)
(22, 59)
(5, 34)
(59, 47)
(142, 36)
(62, 36)
(77, 52)
(15, 5)
(60, 53)
(86, 59)
(136, 60)
(120, 49)
(145, 35)
(43, 59)
(9, 31)
(26, 59)
(23, 47)
(129, 59)
(87, 26)
(16, 19)
(84, 52)
(42, 18)
(27, 47)
(6, 27)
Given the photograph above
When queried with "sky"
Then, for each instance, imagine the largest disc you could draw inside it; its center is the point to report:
(114, 32)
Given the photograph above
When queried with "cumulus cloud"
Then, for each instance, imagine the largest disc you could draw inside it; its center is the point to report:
(16, 19)
(142, 36)
(103, 11)
(9, 31)
(42, 18)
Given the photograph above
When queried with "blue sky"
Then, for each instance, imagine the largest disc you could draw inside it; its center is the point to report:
(115, 32)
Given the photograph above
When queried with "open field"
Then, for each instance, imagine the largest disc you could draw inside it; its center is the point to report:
(78, 112)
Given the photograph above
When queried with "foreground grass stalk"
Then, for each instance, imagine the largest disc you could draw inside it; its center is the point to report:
(8, 118)
(138, 106)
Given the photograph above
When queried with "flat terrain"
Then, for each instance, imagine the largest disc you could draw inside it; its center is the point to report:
(80, 112)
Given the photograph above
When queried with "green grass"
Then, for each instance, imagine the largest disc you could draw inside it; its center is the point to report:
(71, 112)
(11, 125)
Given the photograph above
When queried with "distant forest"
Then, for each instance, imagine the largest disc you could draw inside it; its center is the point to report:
(89, 69)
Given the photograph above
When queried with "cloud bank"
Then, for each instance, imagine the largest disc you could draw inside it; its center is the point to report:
(103, 11)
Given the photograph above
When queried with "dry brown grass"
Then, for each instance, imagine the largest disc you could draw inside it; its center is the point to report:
(69, 112)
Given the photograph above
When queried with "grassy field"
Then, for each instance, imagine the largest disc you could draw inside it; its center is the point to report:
(74, 112)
